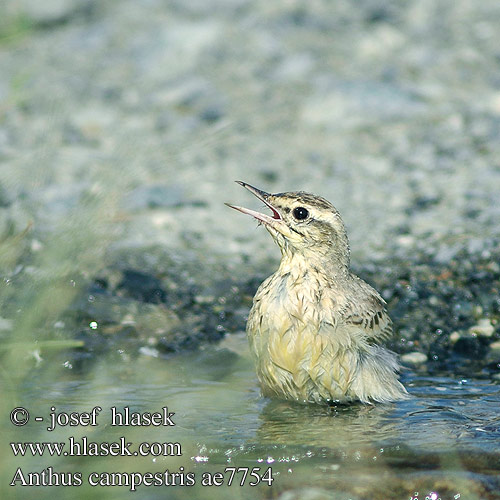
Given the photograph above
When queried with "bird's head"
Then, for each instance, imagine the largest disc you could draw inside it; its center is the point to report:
(302, 223)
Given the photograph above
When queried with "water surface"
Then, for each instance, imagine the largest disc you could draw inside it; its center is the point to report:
(442, 443)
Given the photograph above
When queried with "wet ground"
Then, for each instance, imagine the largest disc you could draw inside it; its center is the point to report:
(122, 128)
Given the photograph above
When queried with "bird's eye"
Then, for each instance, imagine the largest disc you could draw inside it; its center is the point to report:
(300, 213)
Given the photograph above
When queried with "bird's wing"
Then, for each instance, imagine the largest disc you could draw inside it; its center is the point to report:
(370, 318)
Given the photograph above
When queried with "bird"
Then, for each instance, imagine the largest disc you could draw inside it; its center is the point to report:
(315, 329)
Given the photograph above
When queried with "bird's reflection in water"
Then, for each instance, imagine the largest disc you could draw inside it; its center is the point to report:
(340, 426)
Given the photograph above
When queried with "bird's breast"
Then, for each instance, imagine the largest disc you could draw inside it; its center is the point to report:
(287, 314)
(285, 297)
(287, 334)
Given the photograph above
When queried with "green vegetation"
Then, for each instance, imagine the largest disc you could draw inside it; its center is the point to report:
(14, 28)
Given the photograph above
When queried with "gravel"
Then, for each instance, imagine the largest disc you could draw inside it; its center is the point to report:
(123, 125)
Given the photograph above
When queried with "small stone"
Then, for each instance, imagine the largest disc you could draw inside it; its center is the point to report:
(406, 240)
(414, 358)
(454, 337)
(483, 328)
(495, 346)
(212, 113)
(149, 351)
(433, 300)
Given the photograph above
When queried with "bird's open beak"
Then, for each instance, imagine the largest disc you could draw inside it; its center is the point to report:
(273, 221)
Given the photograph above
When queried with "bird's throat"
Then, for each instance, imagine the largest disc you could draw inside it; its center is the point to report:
(321, 267)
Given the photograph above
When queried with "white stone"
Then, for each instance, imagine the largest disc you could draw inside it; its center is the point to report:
(484, 328)
(414, 358)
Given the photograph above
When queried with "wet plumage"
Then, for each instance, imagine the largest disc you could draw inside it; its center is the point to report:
(315, 328)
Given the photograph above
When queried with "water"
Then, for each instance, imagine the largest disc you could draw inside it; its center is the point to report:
(442, 443)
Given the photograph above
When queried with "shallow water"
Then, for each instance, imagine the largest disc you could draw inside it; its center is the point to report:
(442, 443)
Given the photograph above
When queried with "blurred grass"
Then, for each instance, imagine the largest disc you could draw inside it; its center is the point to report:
(47, 344)
(14, 26)
(39, 282)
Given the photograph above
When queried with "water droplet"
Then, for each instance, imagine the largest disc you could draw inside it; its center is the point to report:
(432, 496)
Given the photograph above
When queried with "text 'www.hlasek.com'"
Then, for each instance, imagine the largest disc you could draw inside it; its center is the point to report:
(85, 446)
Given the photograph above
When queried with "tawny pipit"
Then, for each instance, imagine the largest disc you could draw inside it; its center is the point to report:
(315, 328)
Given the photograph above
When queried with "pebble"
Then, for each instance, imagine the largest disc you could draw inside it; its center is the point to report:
(495, 347)
(414, 358)
(484, 328)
